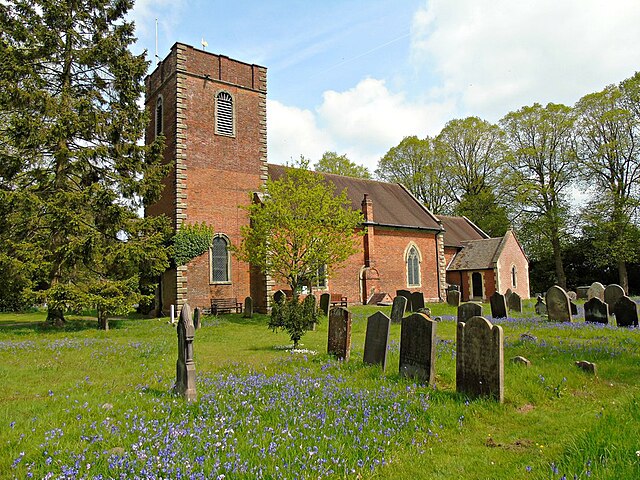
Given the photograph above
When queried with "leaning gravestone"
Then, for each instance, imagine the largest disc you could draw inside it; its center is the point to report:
(185, 366)
(377, 339)
(325, 301)
(613, 293)
(514, 302)
(596, 290)
(248, 308)
(498, 305)
(196, 318)
(626, 312)
(418, 348)
(573, 296)
(596, 311)
(417, 301)
(558, 305)
(480, 359)
(469, 310)
(453, 298)
(406, 294)
(339, 343)
(540, 307)
(398, 308)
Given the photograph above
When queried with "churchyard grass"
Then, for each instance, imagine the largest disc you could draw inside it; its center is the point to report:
(82, 403)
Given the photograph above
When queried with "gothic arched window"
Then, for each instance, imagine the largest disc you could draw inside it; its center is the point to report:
(220, 260)
(413, 267)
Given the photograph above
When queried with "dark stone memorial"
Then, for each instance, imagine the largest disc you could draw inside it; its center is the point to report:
(406, 294)
(573, 307)
(626, 312)
(480, 359)
(540, 307)
(185, 366)
(596, 311)
(613, 293)
(325, 302)
(498, 305)
(469, 310)
(398, 309)
(339, 343)
(417, 301)
(418, 348)
(196, 318)
(558, 305)
(453, 298)
(377, 340)
(514, 302)
(248, 308)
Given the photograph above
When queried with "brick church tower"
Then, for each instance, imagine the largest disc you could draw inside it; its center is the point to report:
(212, 111)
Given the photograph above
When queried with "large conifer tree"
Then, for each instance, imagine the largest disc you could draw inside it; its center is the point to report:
(73, 173)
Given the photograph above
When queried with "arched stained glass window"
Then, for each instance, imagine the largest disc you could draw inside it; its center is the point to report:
(220, 260)
(413, 267)
(224, 114)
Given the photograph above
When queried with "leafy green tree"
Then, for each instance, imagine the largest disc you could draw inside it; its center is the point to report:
(74, 175)
(542, 151)
(301, 225)
(609, 135)
(414, 164)
(331, 162)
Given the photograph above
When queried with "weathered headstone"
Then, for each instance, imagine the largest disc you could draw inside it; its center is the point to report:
(498, 305)
(398, 308)
(469, 310)
(507, 294)
(377, 340)
(613, 293)
(185, 366)
(588, 367)
(248, 307)
(596, 311)
(480, 359)
(558, 306)
(339, 343)
(596, 290)
(573, 296)
(520, 360)
(196, 318)
(406, 294)
(540, 307)
(325, 302)
(453, 298)
(582, 291)
(626, 312)
(417, 301)
(418, 348)
(514, 302)
(279, 296)
(573, 307)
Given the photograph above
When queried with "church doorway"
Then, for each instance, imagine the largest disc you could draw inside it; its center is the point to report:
(476, 285)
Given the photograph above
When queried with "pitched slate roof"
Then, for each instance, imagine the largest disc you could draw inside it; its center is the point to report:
(460, 229)
(393, 204)
(478, 254)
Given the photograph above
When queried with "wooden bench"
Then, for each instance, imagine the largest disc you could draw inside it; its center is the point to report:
(338, 300)
(225, 305)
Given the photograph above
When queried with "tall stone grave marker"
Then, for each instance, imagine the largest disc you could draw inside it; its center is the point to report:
(418, 348)
(417, 301)
(558, 305)
(596, 311)
(248, 307)
(498, 305)
(310, 308)
(596, 290)
(626, 312)
(196, 318)
(185, 366)
(540, 307)
(469, 310)
(453, 298)
(398, 308)
(406, 294)
(339, 343)
(325, 302)
(514, 302)
(480, 359)
(613, 293)
(377, 340)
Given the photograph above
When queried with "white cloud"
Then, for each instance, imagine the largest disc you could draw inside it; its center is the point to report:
(496, 56)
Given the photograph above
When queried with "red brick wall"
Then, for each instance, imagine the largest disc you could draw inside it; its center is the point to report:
(512, 255)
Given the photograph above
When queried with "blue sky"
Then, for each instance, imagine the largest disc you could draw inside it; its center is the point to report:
(357, 76)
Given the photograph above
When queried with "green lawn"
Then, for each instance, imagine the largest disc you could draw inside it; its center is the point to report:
(79, 403)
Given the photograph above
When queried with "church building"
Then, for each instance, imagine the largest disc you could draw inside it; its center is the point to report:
(212, 111)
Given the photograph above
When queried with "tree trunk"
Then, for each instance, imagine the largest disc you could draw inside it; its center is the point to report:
(623, 277)
(561, 278)
(103, 321)
(55, 317)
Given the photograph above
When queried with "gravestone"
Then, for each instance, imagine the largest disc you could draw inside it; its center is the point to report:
(339, 343)
(453, 298)
(540, 307)
(418, 348)
(377, 339)
(196, 318)
(469, 310)
(325, 301)
(558, 306)
(596, 311)
(185, 366)
(480, 359)
(582, 291)
(573, 307)
(279, 296)
(573, 296)
(586, 366)
(498, 305)
(613, 293)
(248, 308)
(417, 301)
(507, 294)
(596, 290)
(626, 312)
(398, 308)
(514, 302)
(406, 294)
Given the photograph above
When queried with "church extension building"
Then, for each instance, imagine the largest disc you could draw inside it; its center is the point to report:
(212, 111)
